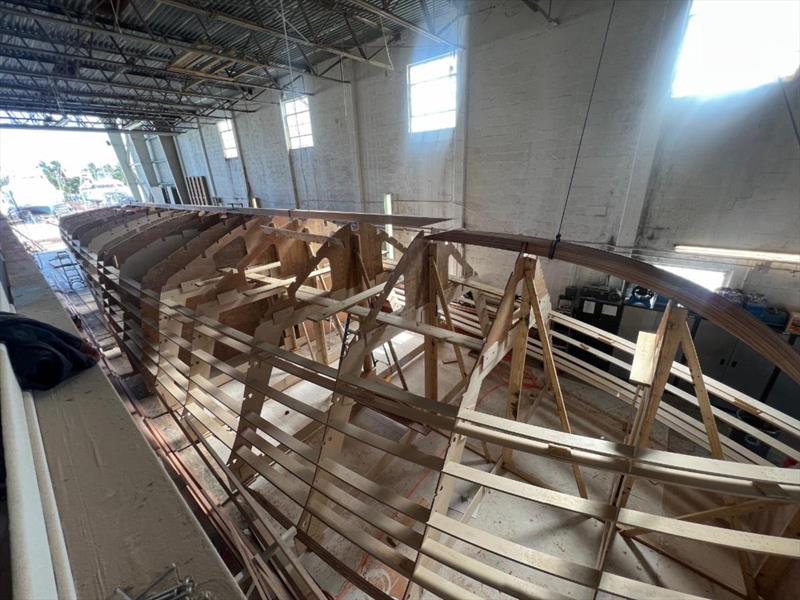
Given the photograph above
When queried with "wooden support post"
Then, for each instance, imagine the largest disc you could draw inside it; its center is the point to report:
(534, 284)
(693, 362)
(482, 310)
(397, 365)
(495, 347)
(660, 352)
(322, 343)
(774, 569)
(437, 281)
(517, 374)
(431, 344)
(307, 337)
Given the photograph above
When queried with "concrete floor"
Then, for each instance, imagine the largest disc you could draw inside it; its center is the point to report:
(556, 532)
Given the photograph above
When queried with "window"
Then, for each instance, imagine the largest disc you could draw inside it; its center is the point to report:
(733, 45)
(229, 148)
(298, 123)
(711, 280)
(432, 94)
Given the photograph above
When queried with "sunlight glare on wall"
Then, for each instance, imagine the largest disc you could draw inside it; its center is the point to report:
(734, 45)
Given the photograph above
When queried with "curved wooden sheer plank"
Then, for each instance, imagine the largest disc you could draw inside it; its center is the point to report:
(713, 307)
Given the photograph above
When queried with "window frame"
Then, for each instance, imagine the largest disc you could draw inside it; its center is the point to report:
(301, 138)
(410, 86)
(229, 151)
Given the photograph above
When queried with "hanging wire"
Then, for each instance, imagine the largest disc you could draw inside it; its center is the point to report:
(286, 40)
(585, 121)
(386, 43)
(345, 88)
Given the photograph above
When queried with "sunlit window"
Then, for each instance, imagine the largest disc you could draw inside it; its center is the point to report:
(229, 148)
(733, 45)
(432, 94)
(711, 280)
(298, 123)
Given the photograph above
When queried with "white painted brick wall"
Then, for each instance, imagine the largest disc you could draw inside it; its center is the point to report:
(227, 173)
(264, 151)
(191, 151)
(418, 168)
(325, 174)
(728, 174)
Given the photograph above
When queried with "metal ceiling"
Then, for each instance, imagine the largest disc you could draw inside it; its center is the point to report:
(168, 65)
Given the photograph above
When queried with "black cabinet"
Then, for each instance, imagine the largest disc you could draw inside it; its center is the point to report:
(602, 314)
(785, 396)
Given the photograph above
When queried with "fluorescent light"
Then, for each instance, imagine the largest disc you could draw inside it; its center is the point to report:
(744, 254)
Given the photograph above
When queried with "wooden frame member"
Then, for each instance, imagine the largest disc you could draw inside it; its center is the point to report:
(259, 329)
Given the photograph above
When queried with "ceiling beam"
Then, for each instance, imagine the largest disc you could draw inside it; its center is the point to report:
(77, 128)
(114, 66)
(137, 37)
(253, 26)
(124, 85)
(84, 108)
(397, 20)
(57, 92)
